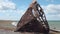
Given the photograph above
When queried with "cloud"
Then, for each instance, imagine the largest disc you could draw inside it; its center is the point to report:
(8, 10)
(52, 11)
(6, 4)
(11, 14)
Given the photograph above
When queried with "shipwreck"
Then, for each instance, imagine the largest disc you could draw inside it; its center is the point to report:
(34, 20)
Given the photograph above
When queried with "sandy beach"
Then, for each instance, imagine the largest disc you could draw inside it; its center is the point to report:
(12, 32)
(7, 28)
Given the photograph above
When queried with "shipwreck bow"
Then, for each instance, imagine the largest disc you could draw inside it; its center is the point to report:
(34, 20)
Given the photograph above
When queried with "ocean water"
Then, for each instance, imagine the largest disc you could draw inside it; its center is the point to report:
(54, 25)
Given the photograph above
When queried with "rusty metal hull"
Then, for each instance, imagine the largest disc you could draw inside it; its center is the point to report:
(33, 22)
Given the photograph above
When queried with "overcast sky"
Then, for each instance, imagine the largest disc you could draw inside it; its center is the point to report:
(14, 9)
